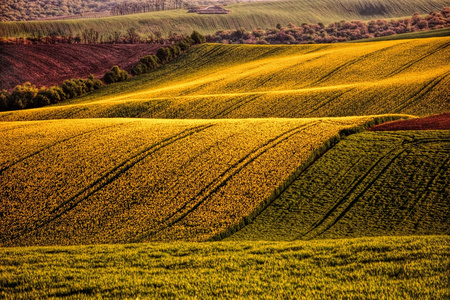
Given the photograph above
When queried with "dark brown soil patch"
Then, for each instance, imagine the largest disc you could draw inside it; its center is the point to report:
(47, 65)
(436, 122)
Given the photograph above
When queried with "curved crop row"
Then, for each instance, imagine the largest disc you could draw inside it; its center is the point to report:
(121, 180)
(370, 184)
(242, 81)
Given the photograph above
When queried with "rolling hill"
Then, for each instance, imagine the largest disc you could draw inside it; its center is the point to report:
(247, 15)
(132, 180)
(213, 145)
(47, 65)
(259, 81)
(369, 184)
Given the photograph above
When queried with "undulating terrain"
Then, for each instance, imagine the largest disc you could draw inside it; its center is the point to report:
(258, 81)
(412, 267)
(370, 184)
(131, 180)
(262, 147)
(247, 15)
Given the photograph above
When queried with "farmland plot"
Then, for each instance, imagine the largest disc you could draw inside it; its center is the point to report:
(125, 180)
(260, 81)
(370, 184)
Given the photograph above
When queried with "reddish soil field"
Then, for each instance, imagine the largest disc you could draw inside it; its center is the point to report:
(436, 122)
(52, 64)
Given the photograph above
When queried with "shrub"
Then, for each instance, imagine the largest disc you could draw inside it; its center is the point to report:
(116, 75)
(197, 37)
(23, 95)
(175, 50)
(164, 54)
(4, 99)
(185, 44)
(146, 64)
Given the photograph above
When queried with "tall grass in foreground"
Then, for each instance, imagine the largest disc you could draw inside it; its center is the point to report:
(366, 268)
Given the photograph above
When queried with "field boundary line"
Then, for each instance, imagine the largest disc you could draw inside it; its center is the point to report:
(325, 147)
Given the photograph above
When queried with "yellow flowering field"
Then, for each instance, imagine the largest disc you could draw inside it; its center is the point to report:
(128, 180)
(215, 81)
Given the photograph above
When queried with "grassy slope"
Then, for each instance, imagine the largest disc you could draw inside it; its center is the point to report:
(247, 15)
(412, 35)
(242, 81)
(124, 180)
(370, 184)
(376, 268)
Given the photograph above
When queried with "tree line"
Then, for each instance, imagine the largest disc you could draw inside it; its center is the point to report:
(335, 32)
(92, 36)
(134, 7)
(14, 10)
(29, 96)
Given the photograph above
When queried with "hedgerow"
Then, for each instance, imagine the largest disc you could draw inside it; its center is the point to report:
(28, 95)
(335, 32)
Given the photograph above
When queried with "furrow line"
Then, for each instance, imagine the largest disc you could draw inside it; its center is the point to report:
(329, 100)
(3, 169)
(427, 190)
(356, 199)
(221, 180)
(411, 63)
(370, 184)
(109, 177)
(235, 106)
(352, 62)
(345, 197)
(422, 92)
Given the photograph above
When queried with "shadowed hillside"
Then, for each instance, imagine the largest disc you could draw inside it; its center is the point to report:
(370, 184)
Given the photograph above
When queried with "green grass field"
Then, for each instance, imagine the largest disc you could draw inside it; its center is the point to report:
(369, 184)
(247, 15)
(366, 268)
(412, 35)
(259, 81)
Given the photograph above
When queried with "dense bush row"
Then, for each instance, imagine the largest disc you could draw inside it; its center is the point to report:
(165, 54)
(334, 32)
(29, 96)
